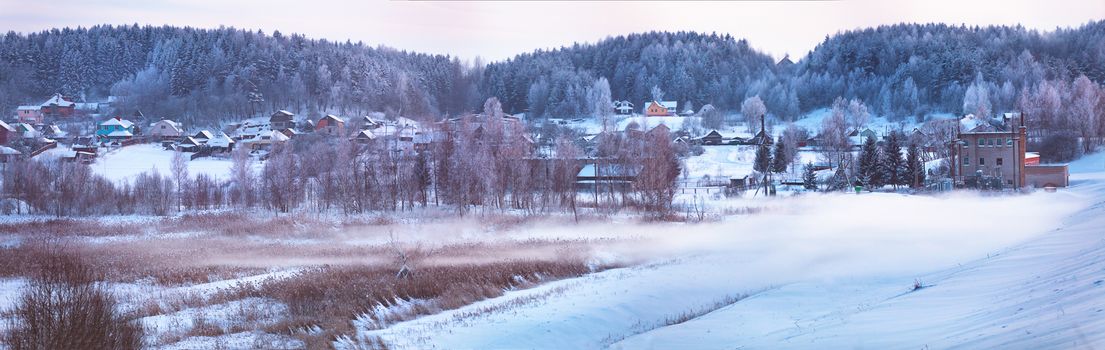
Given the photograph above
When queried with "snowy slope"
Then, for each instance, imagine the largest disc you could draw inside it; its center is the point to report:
(819, 274)
(127, 162)
(1045, 293)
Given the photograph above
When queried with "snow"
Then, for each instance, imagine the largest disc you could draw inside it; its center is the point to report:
(124, 164)
(647, 123)
(823, 271)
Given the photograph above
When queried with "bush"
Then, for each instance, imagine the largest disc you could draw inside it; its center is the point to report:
(1062, 147)
(64, 308)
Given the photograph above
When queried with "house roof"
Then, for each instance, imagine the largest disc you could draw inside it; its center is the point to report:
(366, 134)
(5, 126)
(120, 133)
(118, 121)
(57, 100)
(29, 108)
(669, 104)
(220, 140)
(204, 134)
(9, 151)
(333, 118)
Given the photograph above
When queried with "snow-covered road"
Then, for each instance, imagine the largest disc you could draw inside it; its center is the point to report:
(828, 272)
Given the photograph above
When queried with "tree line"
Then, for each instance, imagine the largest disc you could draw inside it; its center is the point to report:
(479, 162)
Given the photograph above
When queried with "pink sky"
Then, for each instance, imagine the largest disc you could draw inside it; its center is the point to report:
(500, 29)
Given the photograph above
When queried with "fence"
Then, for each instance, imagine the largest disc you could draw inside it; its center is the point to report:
(48, 146)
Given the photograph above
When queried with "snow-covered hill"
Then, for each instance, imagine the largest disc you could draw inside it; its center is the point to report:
(833, 271)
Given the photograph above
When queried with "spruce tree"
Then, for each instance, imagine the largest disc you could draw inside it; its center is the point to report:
(762, 163)
(780, 160)
(892, 166)
(809, 179)
(869, 163)
(915, 169)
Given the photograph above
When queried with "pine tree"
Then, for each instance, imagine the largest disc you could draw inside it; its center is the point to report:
(915, 169)
(762, 163)
(869, 164)
(809, 179)
(780, 160)
(892, 166)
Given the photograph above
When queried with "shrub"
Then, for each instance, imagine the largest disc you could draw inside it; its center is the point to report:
(1060, 147)
(65, 308)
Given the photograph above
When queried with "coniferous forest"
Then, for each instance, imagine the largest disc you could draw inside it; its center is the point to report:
(203, 76)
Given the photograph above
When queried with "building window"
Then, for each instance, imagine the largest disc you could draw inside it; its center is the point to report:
(966, 161)
(999, 162)
(981, 161)
(981, 142)
(1009, 141)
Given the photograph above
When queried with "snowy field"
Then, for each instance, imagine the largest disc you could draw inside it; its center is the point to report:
(812, 271)
(124, 164)
(826, 272)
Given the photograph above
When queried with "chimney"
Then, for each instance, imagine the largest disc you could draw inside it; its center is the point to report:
(762, 129)
(118, 118)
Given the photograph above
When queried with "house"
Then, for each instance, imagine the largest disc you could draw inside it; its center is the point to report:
(606, 176)
(52, 131)
(307, 126)
(290, 133)
(623, 107)
(265, 140)
(7, 132)
(29, 114)
(281, 120)
(368, 123)
(58, 107)
(660, 109)
(711, 138)
(330, 125)
(8, 154)
(166, 129)
(364, 136)
(115, 129)
(221, 142)
(992, 155)
(203, 135)
(190, 144)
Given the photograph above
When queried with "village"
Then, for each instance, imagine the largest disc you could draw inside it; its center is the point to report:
(744, 157)
(82, 132)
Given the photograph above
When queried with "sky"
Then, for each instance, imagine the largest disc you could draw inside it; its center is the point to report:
(496, 30)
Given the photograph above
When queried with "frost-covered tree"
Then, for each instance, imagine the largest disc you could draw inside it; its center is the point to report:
(751, 110)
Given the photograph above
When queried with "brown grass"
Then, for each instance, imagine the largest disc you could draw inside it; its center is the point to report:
(330, 297)
(65, 308)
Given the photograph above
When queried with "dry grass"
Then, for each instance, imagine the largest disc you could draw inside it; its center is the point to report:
(350, 274)
(65, 308)
(330, 297)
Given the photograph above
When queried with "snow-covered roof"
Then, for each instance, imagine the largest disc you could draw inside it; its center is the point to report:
(57, 100)
(29, 108)
(204, 134)
(401, 121)
(366, 134)
(669, 104)
(5, 126)
(120, 133)
(220, 140)
(118, 121)
(334, 118)
(9, 151)
(269, 136)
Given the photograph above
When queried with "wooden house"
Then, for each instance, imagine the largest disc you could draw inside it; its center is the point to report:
(166, 129)
(281, 120)
(58, 107)
(330, 125)
(115, 129)
(661, 109)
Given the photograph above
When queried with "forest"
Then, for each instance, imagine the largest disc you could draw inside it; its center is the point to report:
(204, 76)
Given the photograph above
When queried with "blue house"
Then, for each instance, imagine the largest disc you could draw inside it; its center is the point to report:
(115, 129)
